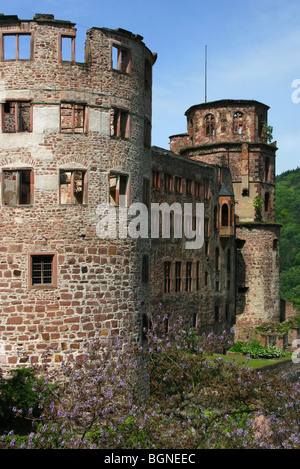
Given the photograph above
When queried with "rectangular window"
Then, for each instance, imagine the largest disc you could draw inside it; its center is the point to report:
(155, 179)
(206, 188)
(178, 184)
(188, 277)
(72, 117)
(16, 46)
(67, 52)
(16, 116)
(148, 74)
(147, 133)
(145, 269)
(189, 187)
(42, 270)
(120, 124)
(118, 189)
(197, 189)
(198, 276)
(167, 276)
(168, 182)
(121, 59)
(217, 313)
(72, 187)
(178, 276)
(17, 187)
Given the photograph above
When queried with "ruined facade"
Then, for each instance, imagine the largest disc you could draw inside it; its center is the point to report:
(76, 136)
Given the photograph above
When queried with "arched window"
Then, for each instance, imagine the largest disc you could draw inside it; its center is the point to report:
(238, 123)
(224, 215)
(209, 125)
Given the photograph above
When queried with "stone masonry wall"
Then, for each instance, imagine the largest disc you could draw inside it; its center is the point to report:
(96, 286)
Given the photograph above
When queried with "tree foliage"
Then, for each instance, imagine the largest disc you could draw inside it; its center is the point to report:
(287, 213)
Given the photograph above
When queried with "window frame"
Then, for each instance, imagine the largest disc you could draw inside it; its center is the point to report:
(121, 51)
(62, 36)
(167, 285)
(16, 103)
(118, 176)
(53, 283)
(84, 183)
(18, 186)
(17, 34)
(73, 105)
(119, 129)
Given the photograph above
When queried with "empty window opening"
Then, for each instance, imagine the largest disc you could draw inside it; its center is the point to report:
(120, 124)
(178, 184)
(72, 187)
(209, 125)
(217, 313)
(206, 278)
(227, 311)
(148, 74)
(267, 169)
(42, 269)
(206, 188)
(118, 189)
(167, 276)
(275, 244)
(197, 189)
(228, 260)
(225, 218)
(267, 202)
(147, 133)
(238, 123)
(195, 320)
(68, 48)
(121, 59)
(217, 285)
(17, 187)
(16, 46)
(145, 269)
(156, 179)
(188, 277)
(178, 276)
(245, 193)
(189, 187)
(198, 276)
(16, 116)
(168, 182)
(72, 117)
(206, 247)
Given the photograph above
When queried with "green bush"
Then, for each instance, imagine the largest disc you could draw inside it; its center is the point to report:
(256, 350)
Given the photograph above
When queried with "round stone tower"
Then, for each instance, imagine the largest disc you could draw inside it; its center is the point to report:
(74, 138)
(235, 134)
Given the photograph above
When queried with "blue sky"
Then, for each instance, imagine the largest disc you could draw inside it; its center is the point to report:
(253, 53)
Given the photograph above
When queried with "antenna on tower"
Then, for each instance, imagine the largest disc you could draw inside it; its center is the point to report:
(205, 73)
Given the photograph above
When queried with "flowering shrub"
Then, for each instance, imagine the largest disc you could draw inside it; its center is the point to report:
(197, 399)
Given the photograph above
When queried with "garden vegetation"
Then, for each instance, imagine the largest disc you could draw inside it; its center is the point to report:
(198, 399)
